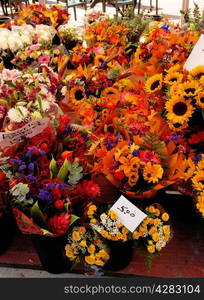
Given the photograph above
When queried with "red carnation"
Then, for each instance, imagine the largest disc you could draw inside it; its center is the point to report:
(56, 193)
(2, 178)
(59, 204)
(63, 122)
(119, 175)
(59, 224)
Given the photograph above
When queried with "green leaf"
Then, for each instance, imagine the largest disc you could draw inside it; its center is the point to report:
(113, 74)
(37, 215)
(64, 170)
(53, 168)
(73, 219)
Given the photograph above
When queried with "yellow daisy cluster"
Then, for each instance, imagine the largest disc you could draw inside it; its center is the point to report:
(155, 230)
(107, 224)
(82, 243)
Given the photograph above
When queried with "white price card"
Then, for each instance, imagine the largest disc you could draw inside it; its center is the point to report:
(29, 130)
(196, 58)
(129, 215)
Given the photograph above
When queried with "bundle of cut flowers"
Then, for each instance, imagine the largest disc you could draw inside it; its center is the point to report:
(154, 232)
(87, 247)
(26, 96)
(163, 47)
(54, 15)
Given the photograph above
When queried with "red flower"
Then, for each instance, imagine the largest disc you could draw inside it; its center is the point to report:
(59, 204)
(196, 138)
(67, 155)
(59, 224)
(2, 178)
(119, 175)
(88, 188)
(63, 123)
(56, 193)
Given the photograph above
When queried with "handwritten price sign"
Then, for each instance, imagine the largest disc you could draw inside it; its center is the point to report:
(129, 215)
(29, 130)
(196, 57)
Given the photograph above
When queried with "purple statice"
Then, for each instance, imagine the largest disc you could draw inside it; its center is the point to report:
(32, 178)
(45, 195)
(16, 161)
(174, 138)
(22, 167)
(68, 129)
(197, 158)
(30, 152)
(31, 168)
(135, 152)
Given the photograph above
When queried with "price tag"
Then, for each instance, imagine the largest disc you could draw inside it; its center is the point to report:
(129, 215)
(196, 58)
(29, 130)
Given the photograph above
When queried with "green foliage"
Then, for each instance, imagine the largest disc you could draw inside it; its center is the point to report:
(153, 143)
(142, 251)
(75, 173)
(64, 170)
(193, 18)
(37, 215)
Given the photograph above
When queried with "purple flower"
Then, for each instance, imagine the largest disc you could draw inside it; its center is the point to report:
(31, 178)
(45, 195)
(68, 129)
(109, 146)
(135, 152)
(29, 152)
(31, 167)
(197, 158)
(22, 167)
(16, 161)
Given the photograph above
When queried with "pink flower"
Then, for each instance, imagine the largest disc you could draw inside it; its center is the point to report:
(99, 50)
(34, 47)
(147, 155)
(44, 59)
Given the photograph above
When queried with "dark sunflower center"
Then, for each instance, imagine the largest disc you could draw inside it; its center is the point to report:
(79, 95)
(155, 85)
(202, 100)
(199, 75)
(175, 61)
(110, 93)
(173, 79)
(180, 109)
(101, 60)
(202, 182)
(191, 90)
(177, 125)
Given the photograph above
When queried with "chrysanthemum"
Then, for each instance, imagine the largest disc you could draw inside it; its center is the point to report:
(154, 83)
(200, 203)
(198, 181)
(189, 89)
(152, 172)
(173, 78)
(200, 99)
(18, 114)
(178, 110)
(77, 95)
(197, 72)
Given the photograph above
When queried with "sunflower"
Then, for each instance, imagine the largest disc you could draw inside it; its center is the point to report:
(152, 172)
(200, 165)
(99, 60)
(77, 95)
(198, 181)
(173, 78)
(173, 69)
(188, 169)
(174, 90)
(189, 89)
(154, 83)
(200, 99)
(177, 127)
(197, 72)
(178, 110)
(110, 91)
(200, 203)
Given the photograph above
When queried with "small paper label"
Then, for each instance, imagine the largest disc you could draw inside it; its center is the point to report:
(129, 215)
(196, 58)
(28, 131)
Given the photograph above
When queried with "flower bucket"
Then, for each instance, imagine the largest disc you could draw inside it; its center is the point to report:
(7, 62)
(70, 45)
(7, 229)
(120, 255)
(51, 253)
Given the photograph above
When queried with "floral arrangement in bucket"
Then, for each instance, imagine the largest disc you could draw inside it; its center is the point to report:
(69, 36)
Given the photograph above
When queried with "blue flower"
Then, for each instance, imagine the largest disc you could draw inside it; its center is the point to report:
(197, 158)
(31, 168)
(16, 161)
(22, 167)
(166, 27)
(135, 152)
(32, 178)
(45, 195)
(29, 152)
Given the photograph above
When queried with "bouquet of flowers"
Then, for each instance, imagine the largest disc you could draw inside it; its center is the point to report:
(85, 246)
(69, 36)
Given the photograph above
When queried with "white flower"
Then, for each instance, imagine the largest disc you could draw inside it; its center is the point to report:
(64, 90)
(18, 114)
(42, 105)
(20, 191)
(161, 244)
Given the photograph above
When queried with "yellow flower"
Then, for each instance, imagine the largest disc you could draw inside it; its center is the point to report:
(93, 221)
(157, 222)
(76, 236)
(166, 237)
(82, 229)
(155, 237)
(99, 59)
(189, 89)
(136, 235)
(99, 262)
(90, 259)
(151, 248)
(151, 209)
(165, 217)
(124, 237)
(200, 203)
(200, 99)
(154, 83)
(152, 230)
(109, 91)
(91, 249)
(150, 242)
(128, 163)
(152, 172)
(158, 249)
(103, 254)
(173, 78)
(177, 126)
(112, 215)
(174, 69)
(178, 110)
(197, 72)
(157, 212)
(166, 229)
(77, 95)
(187, 169)
(83, 243)
(198, 181)
(125, 230)
(200, 165)
(104, 234)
